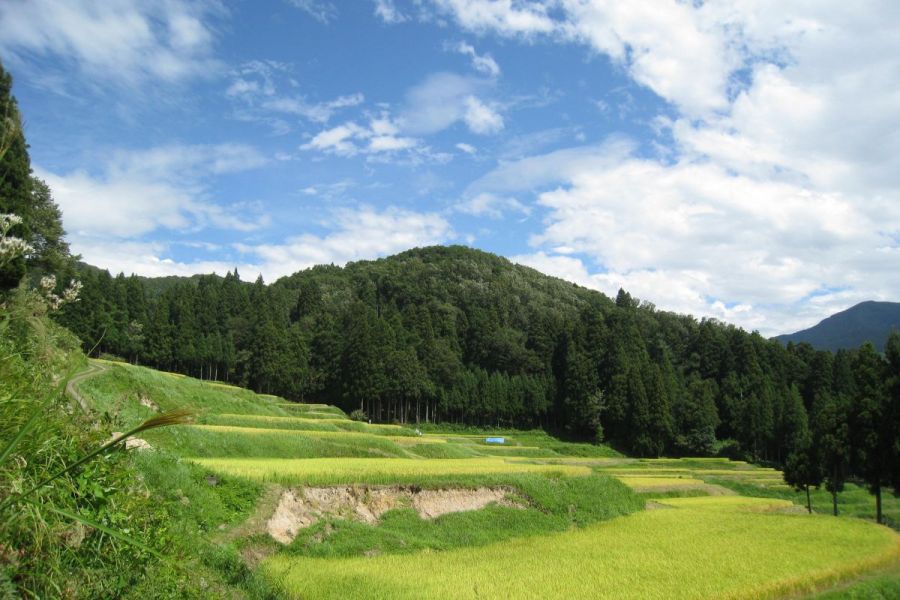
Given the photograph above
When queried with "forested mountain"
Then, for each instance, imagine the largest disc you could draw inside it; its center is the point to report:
(866, 322)
(455, 334)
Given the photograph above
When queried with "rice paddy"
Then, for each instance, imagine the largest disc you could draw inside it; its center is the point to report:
(707, 551)
(329, 471)
(576, 529)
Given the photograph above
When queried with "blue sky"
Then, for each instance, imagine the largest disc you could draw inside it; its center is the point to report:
(738, 160)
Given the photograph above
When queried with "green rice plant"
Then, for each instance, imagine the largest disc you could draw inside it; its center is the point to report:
(729, 503)
(330, 471)
(685, 552)
(651, 483)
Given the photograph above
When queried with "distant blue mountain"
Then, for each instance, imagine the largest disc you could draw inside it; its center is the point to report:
(865, 322)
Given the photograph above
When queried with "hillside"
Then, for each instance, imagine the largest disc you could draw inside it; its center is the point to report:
(866, 322)
(315, 503)
(457, 335)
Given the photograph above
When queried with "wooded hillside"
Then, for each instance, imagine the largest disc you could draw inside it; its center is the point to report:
(458, 335)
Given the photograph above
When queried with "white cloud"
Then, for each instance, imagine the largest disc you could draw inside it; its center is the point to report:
(467, 148)
(481, 118)
(697, 238)
(359, 234)
(320, 10)
(258, 87)
(674, 48)
(140, 192)
(444, 99)
(149, 260)
(337, 140)
(349, 139)
(127, 41)
(508, 17)
(388, 12)
(483, 63)
(777, 202)
(492, 205)
(320, 112)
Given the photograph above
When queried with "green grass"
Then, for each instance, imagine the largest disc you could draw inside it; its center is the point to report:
(360, 437)
(304, 424)
(117, 394)
(854, 501)
(688, 552)
(196, 442)
(880, 585)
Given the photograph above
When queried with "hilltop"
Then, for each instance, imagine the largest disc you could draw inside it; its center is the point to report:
(866, 322)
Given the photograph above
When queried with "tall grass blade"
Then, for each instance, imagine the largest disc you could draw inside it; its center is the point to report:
(172, 417)
(18, 438)
(111, 532)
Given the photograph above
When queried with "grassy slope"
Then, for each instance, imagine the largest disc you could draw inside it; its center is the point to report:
(244, 433)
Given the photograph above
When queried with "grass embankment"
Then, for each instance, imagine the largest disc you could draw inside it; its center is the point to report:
(697, 550)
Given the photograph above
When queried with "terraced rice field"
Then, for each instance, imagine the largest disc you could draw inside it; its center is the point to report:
(573, 527)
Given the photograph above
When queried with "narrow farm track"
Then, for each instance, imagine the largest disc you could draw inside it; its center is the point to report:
(94, 369)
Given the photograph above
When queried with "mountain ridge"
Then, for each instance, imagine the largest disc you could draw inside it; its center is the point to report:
(869, 321)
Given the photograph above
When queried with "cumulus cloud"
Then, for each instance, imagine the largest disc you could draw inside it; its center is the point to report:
(364, 233)
(381, 135)
(776, 202)
(127, 41)
(697, 238)
(352, 234)
(508, 17)
(139, 192)
(481, 118)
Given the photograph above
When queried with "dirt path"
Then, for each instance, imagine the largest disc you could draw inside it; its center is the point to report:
(93, 369)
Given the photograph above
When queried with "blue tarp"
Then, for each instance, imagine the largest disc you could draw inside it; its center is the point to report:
(495, 440)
